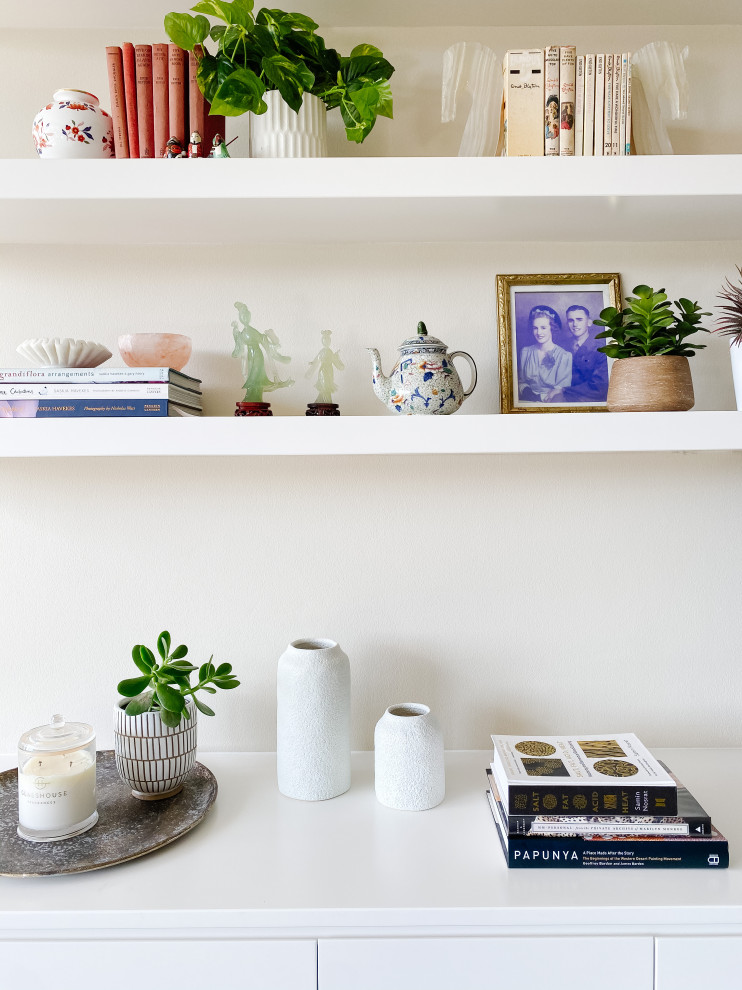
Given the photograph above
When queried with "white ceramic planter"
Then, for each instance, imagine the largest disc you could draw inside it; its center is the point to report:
(735, 355)
(282, 133)
(152, 758)
(73, 125)
(408, 758)
(313, 720)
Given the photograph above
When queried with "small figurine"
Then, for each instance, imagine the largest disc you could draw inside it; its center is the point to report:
(174, 149)
(258, 352)
(195, 149)
(218, 148)
(323, 365)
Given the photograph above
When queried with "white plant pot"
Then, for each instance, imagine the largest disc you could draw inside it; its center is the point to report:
(313, 740)
(408, 758)
(152, 758)
(735, 354)
(282, 133)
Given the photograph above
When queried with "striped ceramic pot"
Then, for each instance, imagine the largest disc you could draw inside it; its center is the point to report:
(152, 758)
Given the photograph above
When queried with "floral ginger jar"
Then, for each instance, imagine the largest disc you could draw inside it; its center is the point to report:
(424, 380)
(73, 125)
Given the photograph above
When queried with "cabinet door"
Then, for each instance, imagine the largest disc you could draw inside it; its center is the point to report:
(695, 963)
(481, 963)
(123, 965)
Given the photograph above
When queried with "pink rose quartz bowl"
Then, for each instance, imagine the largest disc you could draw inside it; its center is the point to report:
(155, 350)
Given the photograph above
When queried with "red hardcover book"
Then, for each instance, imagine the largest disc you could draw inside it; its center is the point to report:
(177, 93)
(130, 89)
(115, 62)
(196, 102)
(160, 74)
(145, 108)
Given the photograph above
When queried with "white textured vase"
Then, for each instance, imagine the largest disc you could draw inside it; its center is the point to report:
(408, 758)
(313, 743)
(280, 132)
(735, 354)
(152, 758)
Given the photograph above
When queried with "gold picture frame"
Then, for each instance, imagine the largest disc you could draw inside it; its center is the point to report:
(576, 378)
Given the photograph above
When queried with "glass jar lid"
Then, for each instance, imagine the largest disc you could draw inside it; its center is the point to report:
(56, 737)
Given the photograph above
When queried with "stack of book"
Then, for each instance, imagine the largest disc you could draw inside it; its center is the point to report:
(558, 103)
(568, 802)
(44, 393)
(155, 97)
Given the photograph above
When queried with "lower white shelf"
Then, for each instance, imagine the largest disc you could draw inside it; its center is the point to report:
(385, 434)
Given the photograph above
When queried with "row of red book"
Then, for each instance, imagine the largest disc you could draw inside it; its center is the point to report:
(558, 103)
(155, 96)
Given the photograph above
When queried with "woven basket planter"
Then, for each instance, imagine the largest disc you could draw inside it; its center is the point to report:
(651, 384)
(152, 758)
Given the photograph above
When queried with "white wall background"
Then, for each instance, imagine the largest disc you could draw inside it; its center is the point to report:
(544, 593)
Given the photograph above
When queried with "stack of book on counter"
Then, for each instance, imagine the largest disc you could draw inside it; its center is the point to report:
(570, 802)
(44, 393)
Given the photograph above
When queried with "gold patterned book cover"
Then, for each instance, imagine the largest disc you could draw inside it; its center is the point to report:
(612, 773)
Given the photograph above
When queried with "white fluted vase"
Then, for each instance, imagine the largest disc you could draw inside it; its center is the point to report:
(313, 723)
(280, 132)
(735, 354)
(408, 758)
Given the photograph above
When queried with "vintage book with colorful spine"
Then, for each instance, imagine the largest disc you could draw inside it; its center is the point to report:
(612, 774)
(599, 105)
(524, 102)
(691, 819)
(145, 108)
(117, 90)
(551, 100)
(567, 68)
(160, 98)
(613, 852)
(130, 88)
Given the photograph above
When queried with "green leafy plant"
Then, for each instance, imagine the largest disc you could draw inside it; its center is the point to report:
(275, 50)
(164, 687)
(648, 326)
(730, 324)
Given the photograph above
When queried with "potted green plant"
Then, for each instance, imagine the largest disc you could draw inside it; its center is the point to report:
(730, 325)
(649, 343)
(155, 722)
(277, 58)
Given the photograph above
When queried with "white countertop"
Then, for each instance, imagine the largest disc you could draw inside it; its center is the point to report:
(262, 864)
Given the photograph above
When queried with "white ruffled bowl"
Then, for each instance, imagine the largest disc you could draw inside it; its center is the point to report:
(63, 352)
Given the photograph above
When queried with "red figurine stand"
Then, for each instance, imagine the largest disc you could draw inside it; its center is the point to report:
(253, 409)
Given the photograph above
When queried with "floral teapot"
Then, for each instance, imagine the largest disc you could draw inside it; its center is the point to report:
(424, 381)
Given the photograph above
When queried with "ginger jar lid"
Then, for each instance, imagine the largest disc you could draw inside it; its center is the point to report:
(422, 343)
(57, 737)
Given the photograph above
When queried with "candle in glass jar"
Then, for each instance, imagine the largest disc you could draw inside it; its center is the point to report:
(56, 781)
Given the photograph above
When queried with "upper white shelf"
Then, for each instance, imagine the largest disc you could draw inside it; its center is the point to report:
(383, 434)
(675, 198)
(148, 14)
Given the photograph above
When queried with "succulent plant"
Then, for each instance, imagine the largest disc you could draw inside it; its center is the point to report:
(730, 324)
(648, 326)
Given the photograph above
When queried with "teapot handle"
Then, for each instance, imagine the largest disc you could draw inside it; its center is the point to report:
(472, 366)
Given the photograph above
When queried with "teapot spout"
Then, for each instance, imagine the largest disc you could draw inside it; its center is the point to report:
(380, 381)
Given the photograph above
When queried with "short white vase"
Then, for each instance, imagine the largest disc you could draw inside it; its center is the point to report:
(735, 354)
(408, 758)
(313, 741)
(280, 132)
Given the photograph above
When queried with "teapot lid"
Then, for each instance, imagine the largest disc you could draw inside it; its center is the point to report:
(423, 342)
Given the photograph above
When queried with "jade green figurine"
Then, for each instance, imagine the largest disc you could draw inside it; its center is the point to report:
(324, 365)
(258, 352)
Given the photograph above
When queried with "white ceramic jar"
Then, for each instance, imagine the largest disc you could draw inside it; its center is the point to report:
(313, 720)
(280, 132)
(73, 125)
(408, 758)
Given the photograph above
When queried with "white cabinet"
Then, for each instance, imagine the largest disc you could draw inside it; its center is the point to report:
(480, 963)
(694, 963)
(121, 965)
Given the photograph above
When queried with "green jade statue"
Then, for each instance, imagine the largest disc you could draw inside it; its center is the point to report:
(324, 365)
(258, 352)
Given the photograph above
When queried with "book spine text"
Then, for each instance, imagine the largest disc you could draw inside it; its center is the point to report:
(551, 100)
(553, 799)
(130, 87)
(145, 110)
(160, 98)
(567, 60)
(115, 61)
(579, 105)
(608, 107)
(589, 121)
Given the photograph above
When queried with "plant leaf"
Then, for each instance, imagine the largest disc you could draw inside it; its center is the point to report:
(223, 668)
(169, 698)
(179, 652)
(143, 665)
(186, 31)
(171, 719)
(133, 686)
(147, 656)
(163, 644)
(142, 703)
(204, 709)
(225, 683)
(241, 91)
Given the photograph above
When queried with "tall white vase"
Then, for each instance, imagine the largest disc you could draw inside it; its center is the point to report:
(313, 744)
(408, 758)
(280, 132)
(735, 353)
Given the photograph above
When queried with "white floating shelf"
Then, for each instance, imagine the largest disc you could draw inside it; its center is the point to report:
(682, 198)
(94, 14)
(384, 434)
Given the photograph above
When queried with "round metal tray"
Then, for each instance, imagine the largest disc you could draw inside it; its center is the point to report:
(126, 828)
